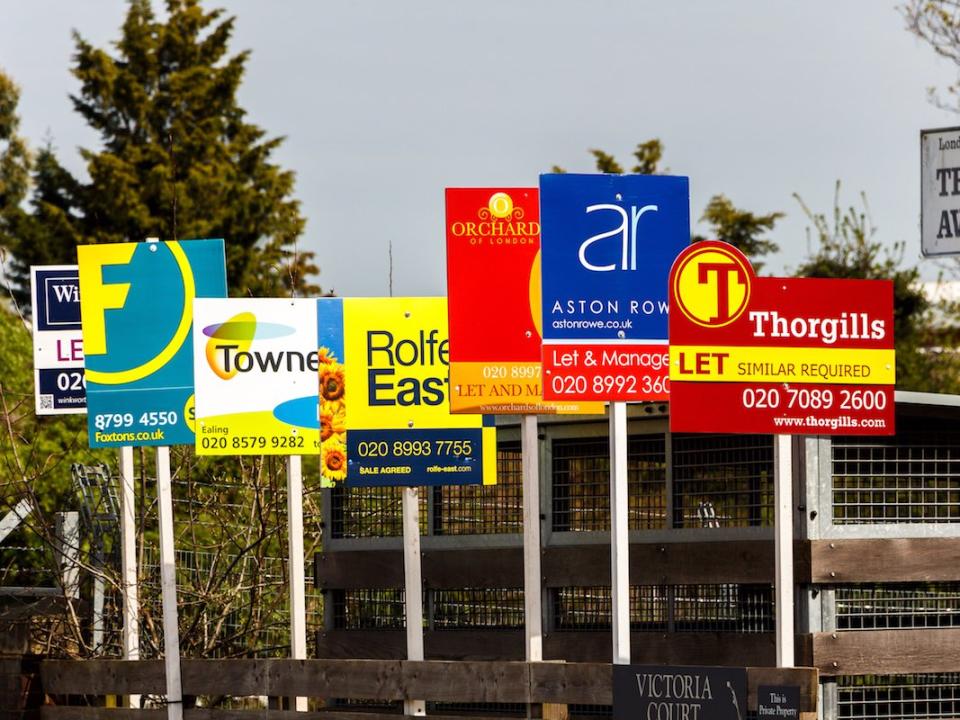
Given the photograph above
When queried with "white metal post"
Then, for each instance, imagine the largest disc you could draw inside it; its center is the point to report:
(532, 623)
(68, 550)
(128, 562)
(783, 524)
(619, 538)
(413, 587)
(168, 587)
(298, 604)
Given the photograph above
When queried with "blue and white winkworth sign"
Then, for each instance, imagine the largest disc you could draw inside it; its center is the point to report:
(57, 342)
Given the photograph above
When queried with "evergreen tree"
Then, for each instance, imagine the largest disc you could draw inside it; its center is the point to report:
(178, 158)
(14, 163)
(740, 228)
(846, 248)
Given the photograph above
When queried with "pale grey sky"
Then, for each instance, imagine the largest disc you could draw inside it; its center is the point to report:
(386, 103)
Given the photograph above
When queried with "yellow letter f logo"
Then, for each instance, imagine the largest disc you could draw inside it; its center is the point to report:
(98, 297)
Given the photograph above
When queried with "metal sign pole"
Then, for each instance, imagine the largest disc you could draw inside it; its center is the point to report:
(532, 622)
(128, 563)
(413, 587)
(298, 605)
(783, 523)
(619, 538)
(168, 587)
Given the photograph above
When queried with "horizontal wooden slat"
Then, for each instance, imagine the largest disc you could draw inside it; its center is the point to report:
(887, 652)
(491, 568)
(504, 682)
(102, 677)
(82, 712)
(472, 682)
(438, 644)
(746, 561)
(370, 679)
(354, 569)
(885, 560)
(576, 683)
(733, 649)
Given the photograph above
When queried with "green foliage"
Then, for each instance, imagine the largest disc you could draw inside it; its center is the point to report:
(846, 249)
(937, 23)
(177, 158)
(14, 162)
(740, 228)
(35, 452)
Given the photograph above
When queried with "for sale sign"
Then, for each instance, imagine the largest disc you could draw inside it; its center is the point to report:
(57, 340)
(799, 356)
(493, 296)
(608, 243)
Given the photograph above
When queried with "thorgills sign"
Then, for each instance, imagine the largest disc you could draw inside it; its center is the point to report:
(797, 356)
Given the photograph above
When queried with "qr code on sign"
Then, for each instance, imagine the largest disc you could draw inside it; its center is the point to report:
(46, 402)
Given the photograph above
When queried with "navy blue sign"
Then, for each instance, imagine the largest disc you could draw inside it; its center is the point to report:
(448, 456)
(607, 244)
(57, 299)
(58, 373)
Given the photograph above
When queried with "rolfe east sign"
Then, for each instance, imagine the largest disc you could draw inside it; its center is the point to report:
(794, 356)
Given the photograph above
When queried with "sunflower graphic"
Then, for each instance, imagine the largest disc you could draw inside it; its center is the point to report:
(333, 460)
(331, 381)
(333, 419)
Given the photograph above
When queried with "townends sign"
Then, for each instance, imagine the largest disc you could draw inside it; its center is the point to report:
(797, 356)
(649, 692)
(255, 366)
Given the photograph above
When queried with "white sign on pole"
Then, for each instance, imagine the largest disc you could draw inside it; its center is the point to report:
(255, 372)
(57, 340)
(940, 191)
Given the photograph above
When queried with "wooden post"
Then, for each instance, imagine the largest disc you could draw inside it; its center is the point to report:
(168, 587)
(619, 537)
(413, 587)
(532, 603)
(783, 525)
(298, 605)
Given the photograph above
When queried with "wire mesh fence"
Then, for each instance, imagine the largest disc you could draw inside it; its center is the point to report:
(369, 609)
(479, 510)
(722, 481)
(909, 478)
(490, 608)
(901, 606)
(670, 608)
(581, 483)
(885, 697)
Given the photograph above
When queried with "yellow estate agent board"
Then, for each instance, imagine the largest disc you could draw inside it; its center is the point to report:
(384, 398)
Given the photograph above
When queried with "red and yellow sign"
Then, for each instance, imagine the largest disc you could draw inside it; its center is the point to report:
(493, 288)
(803, 356)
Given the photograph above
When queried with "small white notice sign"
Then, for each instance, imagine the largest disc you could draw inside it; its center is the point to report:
(940, 191)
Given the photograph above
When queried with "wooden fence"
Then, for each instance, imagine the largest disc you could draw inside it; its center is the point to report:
(78, 688)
